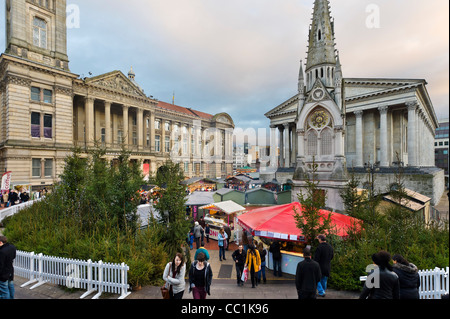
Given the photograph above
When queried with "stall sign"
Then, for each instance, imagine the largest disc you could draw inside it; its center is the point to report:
(214, 234)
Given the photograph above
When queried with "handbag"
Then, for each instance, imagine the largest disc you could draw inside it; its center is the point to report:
(165, 292)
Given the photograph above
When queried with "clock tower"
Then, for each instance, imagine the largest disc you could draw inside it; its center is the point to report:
(320, 117)
(36, 31)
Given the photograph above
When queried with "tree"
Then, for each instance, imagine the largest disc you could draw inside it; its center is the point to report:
(171, 206)
(310, 221)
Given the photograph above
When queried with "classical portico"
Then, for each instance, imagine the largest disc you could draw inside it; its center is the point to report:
(348, 124)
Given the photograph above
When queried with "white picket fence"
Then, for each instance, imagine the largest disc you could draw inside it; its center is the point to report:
(91, 276)
(9, 211)
(433, 283)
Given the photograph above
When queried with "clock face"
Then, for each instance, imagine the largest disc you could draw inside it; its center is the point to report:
(318, 94)
(319, 119)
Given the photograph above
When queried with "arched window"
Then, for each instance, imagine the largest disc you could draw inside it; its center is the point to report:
(319, 35)
(326, 143)
(312, 143)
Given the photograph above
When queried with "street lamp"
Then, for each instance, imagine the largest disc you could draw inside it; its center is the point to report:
(372, 169)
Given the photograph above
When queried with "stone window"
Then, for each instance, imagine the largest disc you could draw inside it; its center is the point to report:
(48, 167)
(36, 167)
(40, 33)
(157, 143)
(41, 125)
(326, 142)
(312, 143)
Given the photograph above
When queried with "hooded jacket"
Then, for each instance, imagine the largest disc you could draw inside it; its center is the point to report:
(409, 280)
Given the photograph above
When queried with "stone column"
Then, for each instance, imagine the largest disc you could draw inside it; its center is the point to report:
(412, 107)
(108, 140)
(89, 114)
(125, 125)
(140, 127)
(152, 131)
(273, 147)
(359, 139)
(384, 156)
(301, 145)
(287, 147)
(281, 145)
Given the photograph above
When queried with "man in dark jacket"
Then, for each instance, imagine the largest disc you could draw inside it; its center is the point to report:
(239, 260)
(7, 256)
(323, 255)
(276, 256)
(307, 276)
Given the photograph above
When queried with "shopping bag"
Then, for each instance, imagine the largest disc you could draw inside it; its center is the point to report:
(244, 276)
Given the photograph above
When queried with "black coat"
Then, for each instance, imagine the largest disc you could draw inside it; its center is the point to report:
(208, 276)
(389, 287)
(307, 275)
(7, 256)
(323, 255)
(275, 250)
(239, 257)
(409, 280)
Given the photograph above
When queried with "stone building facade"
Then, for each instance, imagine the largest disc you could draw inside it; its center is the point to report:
(350, 124)
(46, 109)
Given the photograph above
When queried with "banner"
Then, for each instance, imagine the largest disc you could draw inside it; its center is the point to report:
(6, 180)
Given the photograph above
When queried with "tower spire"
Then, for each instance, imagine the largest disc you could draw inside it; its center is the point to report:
(321, 58)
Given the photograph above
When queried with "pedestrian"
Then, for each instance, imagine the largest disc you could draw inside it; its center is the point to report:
(207, 231)
(253, 263)
(239, 260)
(202, 250)
(174, 277)
(323, 255)
(227, 230)
(408, 277)
(386, 284)
(307, 276)
(200, 277)
(222, 241)
(262, 255)
(197, 234)
(276, 257)
(7, 256)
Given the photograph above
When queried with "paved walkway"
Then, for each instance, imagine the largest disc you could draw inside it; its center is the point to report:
(223, 286)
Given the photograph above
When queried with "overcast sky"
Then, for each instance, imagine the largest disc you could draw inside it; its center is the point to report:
(242, 56)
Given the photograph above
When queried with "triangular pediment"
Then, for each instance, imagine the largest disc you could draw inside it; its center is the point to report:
(286, 107)
(365, 87)
(318, 93)
(116, 81)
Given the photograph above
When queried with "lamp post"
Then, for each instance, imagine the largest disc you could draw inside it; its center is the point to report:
(372, 169)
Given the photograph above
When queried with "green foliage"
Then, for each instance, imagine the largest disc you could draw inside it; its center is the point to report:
(171, 206)
(91, 214)
(395, 229)
(310, 221)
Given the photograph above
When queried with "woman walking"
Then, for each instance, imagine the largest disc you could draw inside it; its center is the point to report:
(408, 276)
(174, 277)
(200, 277)
(253, 263)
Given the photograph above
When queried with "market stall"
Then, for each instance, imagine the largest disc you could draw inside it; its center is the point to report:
(278, 223)
(222, 214)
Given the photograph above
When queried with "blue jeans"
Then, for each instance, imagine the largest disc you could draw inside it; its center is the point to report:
(7, 290)
(277, 267)
(221, 252)
(262, 271)
(322, 285)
